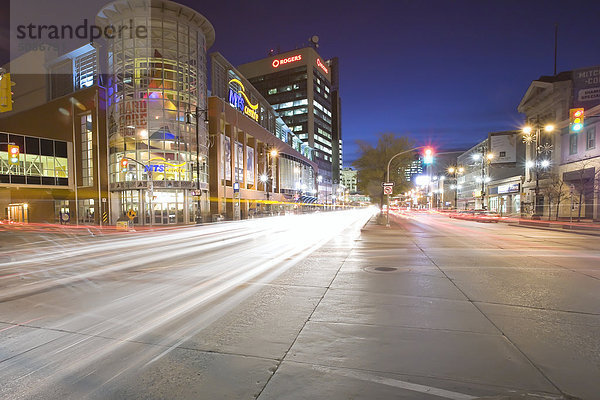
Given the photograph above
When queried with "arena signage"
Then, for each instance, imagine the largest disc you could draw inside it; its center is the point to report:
(162, 165)
(239, 99)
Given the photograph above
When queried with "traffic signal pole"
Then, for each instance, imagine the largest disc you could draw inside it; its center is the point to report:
(387, 179)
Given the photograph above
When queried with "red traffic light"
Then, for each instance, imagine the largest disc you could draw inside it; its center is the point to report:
(13, 152)
(428, 156)
(576, 116)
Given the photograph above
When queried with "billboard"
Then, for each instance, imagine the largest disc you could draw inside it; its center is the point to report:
(586, 87)
(504, 147)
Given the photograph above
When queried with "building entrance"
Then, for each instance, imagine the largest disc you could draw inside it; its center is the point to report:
(18, 212)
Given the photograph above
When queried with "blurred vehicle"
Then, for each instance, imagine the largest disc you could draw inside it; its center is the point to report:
(486, 216)
(463, 214)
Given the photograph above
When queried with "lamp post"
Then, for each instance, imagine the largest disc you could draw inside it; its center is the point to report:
(485, 158)
(269, 170)
(196, 116)
(387, 179)
(454, 171)
(535, 138)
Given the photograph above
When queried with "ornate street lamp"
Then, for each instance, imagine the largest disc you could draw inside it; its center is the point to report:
(532, 135)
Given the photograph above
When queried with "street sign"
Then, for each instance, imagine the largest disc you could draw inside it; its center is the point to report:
(65, 217)
(131, 214)
(384, 184)
(236, 187)
(388, 190)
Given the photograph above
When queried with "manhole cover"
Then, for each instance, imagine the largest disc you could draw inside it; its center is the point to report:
(385, 269)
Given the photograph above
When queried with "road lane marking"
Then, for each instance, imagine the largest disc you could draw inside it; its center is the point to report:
(447, 394)
(19, 324)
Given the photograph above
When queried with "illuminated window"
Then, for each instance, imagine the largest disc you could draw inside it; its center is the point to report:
(87, 158)
(85, 68)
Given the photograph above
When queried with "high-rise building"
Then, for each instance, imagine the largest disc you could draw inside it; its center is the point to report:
(303, 88)
(413, 169)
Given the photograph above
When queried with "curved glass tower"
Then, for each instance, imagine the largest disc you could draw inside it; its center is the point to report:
(156, 91)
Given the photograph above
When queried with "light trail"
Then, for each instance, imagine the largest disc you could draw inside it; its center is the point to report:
(131, 291)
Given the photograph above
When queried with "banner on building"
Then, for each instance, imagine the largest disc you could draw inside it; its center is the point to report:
(239, 162)
(227, 157)
(503, 145)
(250, 165)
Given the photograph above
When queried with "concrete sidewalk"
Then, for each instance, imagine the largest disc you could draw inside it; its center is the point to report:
(392, 324)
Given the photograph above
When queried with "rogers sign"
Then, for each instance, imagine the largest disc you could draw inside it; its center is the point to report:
(277, 62)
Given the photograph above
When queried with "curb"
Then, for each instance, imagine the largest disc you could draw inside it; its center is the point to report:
(564, 230)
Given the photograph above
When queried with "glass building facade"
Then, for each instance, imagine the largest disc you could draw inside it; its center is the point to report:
(41, 161)
(156, 95)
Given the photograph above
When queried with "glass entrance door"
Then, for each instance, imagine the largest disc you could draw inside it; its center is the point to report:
(168, 207)
(18, 213)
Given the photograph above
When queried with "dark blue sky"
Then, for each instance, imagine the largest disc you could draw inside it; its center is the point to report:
(444, 72)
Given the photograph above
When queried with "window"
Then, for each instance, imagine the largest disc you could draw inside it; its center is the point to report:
(591, 138)
(573, 144)
(42, 162)
(85, 69)
(87, 159)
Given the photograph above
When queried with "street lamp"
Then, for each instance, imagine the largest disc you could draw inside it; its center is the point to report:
(454, 171)
(387, 175)
(196, 116)
(485, 158)
(534, 138)
(269, 168)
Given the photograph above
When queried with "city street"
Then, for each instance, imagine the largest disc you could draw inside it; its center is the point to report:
(326, 305)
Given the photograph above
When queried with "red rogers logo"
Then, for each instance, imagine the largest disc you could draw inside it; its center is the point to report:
(277, 63)
(323, 67)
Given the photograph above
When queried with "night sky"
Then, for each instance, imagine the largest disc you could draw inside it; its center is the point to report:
(444, 72)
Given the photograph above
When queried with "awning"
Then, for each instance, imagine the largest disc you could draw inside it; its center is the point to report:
(306, 199)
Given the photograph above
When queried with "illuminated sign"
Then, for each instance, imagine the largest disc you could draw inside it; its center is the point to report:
(164, 166)
(512, 188)
(322, 66)
(239, 100)
(282, 61)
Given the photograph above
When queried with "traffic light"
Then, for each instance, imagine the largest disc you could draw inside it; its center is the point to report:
(13, 154)
(6, 93)
(428, 156)
(124, 163)
(576, 116)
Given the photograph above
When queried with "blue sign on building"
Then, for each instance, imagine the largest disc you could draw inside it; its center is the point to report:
(236, 100)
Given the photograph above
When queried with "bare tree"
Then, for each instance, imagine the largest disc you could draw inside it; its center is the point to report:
(555, 193)
(586, 172)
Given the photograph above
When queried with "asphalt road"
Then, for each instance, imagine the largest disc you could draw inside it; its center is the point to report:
(304, 307)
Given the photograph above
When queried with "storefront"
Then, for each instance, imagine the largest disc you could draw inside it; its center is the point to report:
(505, 198)
(59, 175)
